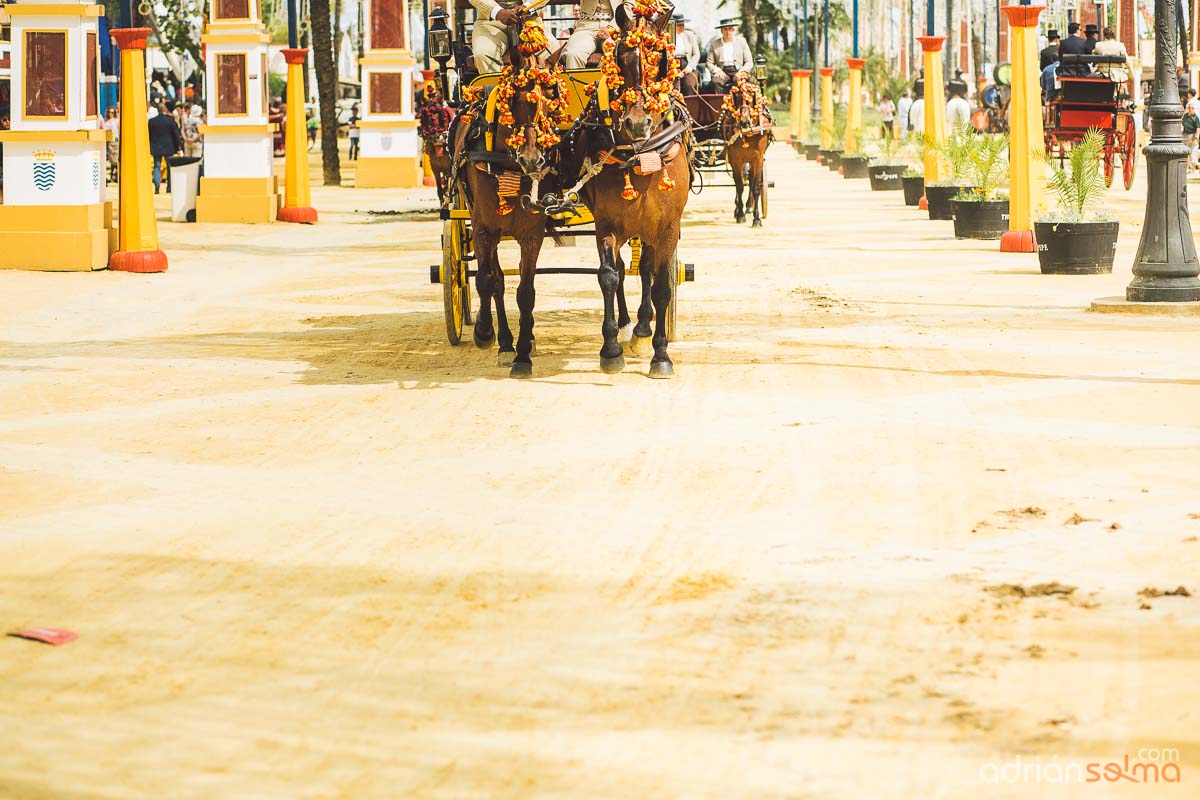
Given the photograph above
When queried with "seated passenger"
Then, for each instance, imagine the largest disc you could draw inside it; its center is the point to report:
(687, 53)
(729, 54)
(497, 26)
(596, 21)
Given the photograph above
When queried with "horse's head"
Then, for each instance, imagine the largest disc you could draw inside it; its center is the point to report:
(533, 104)
(745, 104)
(640, 70)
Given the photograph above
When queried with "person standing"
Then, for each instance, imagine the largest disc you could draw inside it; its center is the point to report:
(354, 133)
(728, 54)
(902, 107)
(887, 116)
(165, 141)
(687, 53)
(112, 123)
(193, 140)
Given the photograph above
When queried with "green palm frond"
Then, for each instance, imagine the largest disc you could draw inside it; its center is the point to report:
(1080, 186)
(989, 164)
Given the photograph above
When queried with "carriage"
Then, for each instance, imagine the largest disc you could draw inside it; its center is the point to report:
(570, 219)
(1093, 101)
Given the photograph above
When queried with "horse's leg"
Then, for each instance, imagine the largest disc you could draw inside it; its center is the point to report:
(522, 366)
(739, 213)
(611, 359)
(642, 332)
(624, 326)
(486, 242)
(660, 365)
(756, 187)
(504, 356)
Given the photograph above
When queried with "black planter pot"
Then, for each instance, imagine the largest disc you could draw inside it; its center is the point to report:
(823, 156)
(1076, 248)
(886, 177)
(855, 166)
(914, 189)
(833, 160)
(979, 219)
(811, 151)
(939, 200)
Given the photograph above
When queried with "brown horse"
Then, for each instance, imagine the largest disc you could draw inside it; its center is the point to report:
(746, 127)
(433, 123)
(635, 153)
(502, 180)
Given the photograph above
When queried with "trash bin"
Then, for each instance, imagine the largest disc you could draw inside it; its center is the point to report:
(185, 185)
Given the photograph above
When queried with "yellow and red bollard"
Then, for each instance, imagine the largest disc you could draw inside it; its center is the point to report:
(1026, 143)
(297, 197)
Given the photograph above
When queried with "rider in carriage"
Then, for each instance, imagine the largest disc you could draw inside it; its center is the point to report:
(499, 24)
(729, 56)
(687, 54)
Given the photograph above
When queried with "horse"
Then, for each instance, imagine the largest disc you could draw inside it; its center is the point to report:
(433, 122)
(746, 127)
(527, 106)
(633, 152)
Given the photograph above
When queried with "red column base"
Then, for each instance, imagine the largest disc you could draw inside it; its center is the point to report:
(841, 171)
(297, 214)
(138, 261)
(1018, 242)
(923, 203)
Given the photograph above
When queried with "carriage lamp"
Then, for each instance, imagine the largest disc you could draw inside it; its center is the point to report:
(439, 36)
(760, 68)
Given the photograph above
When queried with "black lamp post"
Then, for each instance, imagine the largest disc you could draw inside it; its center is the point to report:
(437, 45)
(1166, 267)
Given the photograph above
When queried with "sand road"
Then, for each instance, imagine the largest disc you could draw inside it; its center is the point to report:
(312, 551)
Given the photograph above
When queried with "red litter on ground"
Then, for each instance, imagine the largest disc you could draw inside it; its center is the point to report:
(51, 636)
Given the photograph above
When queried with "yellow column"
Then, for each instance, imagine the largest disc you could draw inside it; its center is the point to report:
(1026, 142)
(795, 106)
(137, 250)
(935, 104)
(805, 113)
(854, 106)
(297, 200)
(826, 108)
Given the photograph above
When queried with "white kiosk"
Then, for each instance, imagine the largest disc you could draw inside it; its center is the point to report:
(54, 215)
(389, 149)
(239, 183)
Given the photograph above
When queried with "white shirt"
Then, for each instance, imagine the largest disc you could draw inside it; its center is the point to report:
(916, 115)
(902, 112)
(727, 52)
(958, 113)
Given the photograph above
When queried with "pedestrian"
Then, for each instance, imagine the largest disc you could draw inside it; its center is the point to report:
(1191, 121)
(354, 132)
(313, 126)
(902, 113)
(1192, 104)
(887, 116)
(958, 112)
(112, 124)
(193, 140)
(916, 115)
(165, 141)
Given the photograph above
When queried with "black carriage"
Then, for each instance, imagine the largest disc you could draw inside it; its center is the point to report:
(1093, 101)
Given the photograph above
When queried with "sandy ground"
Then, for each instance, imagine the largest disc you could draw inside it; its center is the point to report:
(312, 551)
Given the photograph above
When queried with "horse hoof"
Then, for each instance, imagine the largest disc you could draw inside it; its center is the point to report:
(505, 358)
(521, 370)
(662, 369)
(612, 366)
(641, 346)
(482, 342)
(756, 224)
(625, 334)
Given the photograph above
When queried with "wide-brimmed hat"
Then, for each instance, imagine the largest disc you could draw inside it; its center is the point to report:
(678, 18)
(729, 22)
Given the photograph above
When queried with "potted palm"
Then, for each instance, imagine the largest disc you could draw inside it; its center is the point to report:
(913, 178)
(981, 212)
(955, 153)
(1076, 237)
(885, 171)
(811, 151)
(854, 165)
(836, 127)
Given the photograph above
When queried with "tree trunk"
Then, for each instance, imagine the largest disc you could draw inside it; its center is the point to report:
(326, 90)
(750, 23)
(337, 38)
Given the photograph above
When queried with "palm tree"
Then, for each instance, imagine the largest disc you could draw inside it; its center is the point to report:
(322, 43)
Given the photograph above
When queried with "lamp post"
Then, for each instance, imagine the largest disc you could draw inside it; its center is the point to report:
(297, 198)
(1166, 268)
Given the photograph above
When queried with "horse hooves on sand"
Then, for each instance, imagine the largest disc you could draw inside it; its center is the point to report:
(641, 346)
(505, 358)
(521, 370)
(756, 224)
(612, 365)
(662, 369)
(483, 343)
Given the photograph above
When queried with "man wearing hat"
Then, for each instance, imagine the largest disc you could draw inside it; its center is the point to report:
(1049, 53)
(729, 54)
(1092, 33)
(687, 53)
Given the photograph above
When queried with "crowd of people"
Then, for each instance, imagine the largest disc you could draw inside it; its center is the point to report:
(907, 115)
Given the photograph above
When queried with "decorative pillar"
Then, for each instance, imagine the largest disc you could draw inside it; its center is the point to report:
(1166, 268)
(137, 248)
(297, 205)
(1026, 142)
(826, 107)
(239, 183)
(935, 104)
(54, 215)
(389, 152)
(804, 114)
(854, 105)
